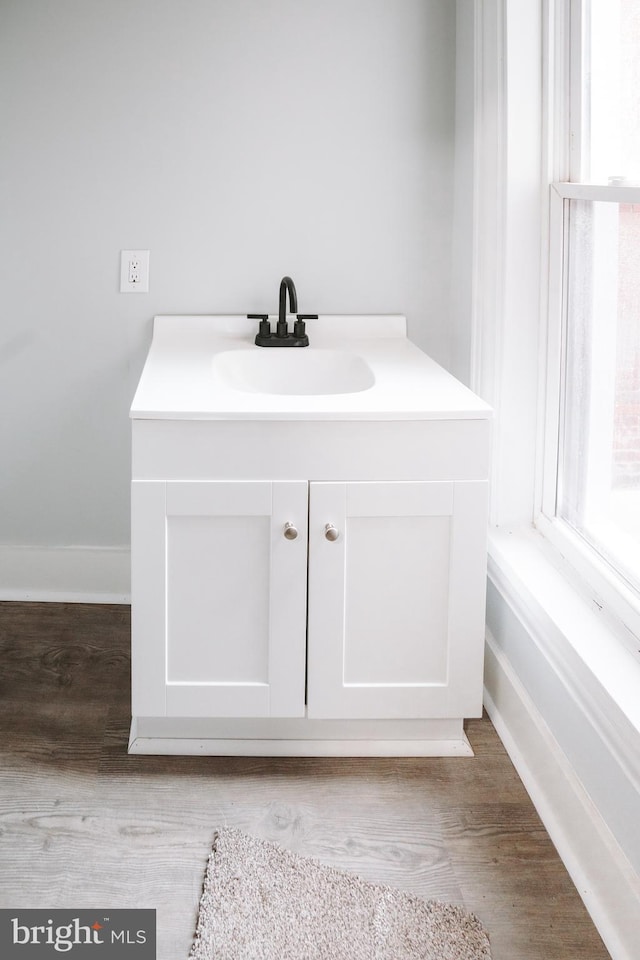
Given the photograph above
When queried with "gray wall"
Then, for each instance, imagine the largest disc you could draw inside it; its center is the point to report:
(237, 140)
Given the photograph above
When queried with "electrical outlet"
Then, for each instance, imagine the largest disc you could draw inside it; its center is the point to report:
(134, 271)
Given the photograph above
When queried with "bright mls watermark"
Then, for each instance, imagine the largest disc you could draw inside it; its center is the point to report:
(79, 934)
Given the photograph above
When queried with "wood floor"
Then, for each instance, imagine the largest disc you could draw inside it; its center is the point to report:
(84, 825)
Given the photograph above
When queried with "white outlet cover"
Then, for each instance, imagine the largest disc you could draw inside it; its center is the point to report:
(142, 259)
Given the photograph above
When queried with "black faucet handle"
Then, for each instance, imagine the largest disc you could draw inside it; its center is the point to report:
(307, 316)
(264, 331)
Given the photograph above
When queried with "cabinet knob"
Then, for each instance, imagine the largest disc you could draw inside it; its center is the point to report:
(330, 532)
(290, 531)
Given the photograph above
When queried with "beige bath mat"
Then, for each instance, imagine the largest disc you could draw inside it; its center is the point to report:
(261, 902)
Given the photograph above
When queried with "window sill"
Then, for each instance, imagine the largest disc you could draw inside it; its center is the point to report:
(572, 630)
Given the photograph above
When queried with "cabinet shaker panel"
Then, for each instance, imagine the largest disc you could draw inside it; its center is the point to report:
(218, 575)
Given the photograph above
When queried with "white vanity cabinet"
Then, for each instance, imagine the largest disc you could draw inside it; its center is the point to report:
(308, 573)
(240, 608)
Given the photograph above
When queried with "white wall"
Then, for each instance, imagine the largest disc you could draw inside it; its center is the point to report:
(237, 140)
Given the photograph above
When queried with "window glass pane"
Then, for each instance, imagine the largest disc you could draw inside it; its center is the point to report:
(599, 477)
(611, 85)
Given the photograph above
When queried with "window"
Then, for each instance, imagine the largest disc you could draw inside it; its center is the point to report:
(591, 491)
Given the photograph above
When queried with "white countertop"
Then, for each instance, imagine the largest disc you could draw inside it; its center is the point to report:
(178, 381)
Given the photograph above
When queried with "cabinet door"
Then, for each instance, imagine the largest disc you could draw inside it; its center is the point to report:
(219, 599)
(396, 602)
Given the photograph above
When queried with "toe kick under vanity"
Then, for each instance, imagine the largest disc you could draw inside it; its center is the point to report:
(308, 543)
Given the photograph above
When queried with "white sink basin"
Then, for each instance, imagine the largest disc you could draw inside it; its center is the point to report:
(293, 371)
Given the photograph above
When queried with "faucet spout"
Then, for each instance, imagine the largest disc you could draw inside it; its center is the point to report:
(286, 286)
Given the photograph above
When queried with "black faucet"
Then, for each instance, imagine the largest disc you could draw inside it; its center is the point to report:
(283, 337)
(286, 284)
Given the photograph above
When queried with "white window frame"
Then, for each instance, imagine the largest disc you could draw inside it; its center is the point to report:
(522, 69)
(608, 588)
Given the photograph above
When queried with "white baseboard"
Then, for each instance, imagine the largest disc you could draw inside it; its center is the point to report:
(65, 574)
(603, 876)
